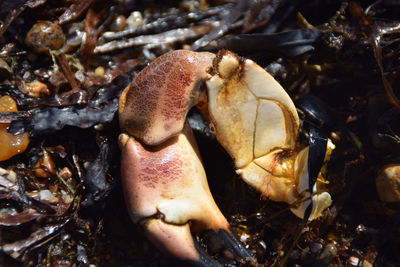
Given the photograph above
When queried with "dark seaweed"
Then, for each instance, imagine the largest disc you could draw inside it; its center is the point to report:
(338, 60)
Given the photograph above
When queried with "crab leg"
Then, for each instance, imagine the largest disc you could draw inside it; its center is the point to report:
(166, 191)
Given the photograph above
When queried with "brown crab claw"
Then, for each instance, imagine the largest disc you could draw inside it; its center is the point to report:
(166, 191)
(154, 106)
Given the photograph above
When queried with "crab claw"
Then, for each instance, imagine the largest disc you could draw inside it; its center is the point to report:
(257, 123)
(166, 191)
(154, 106)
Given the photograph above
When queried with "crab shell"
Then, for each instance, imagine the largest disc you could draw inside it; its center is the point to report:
(257, 123)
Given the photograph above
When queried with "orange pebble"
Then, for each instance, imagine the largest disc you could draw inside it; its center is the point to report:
(10, 145)
(45, 166)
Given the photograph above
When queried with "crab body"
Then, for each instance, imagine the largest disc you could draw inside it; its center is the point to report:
(255, 121)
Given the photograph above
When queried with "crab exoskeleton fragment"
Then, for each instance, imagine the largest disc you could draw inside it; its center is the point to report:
(165, 188)
(255, 121)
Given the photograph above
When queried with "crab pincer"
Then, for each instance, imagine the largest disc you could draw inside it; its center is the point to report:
(164, 181)
(254, 120)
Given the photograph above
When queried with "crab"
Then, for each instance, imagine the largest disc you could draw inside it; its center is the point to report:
(254, 119)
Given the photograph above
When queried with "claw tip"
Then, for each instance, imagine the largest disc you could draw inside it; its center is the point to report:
(123, 140)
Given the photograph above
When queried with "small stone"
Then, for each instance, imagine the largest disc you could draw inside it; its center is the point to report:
(388, 183)
(244, 237)
(135, 20)
(80, 76)
(46, 195)
(361, 228)
(65, 197)
(82, 256)
(118, 23)
(45, 166)
(65, 173)
(99, 71)
(45, 36)
(35, 89)
(9, 175)
(353, 261)
(328, 253)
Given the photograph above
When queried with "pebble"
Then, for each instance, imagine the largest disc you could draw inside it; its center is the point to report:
(44, 36)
